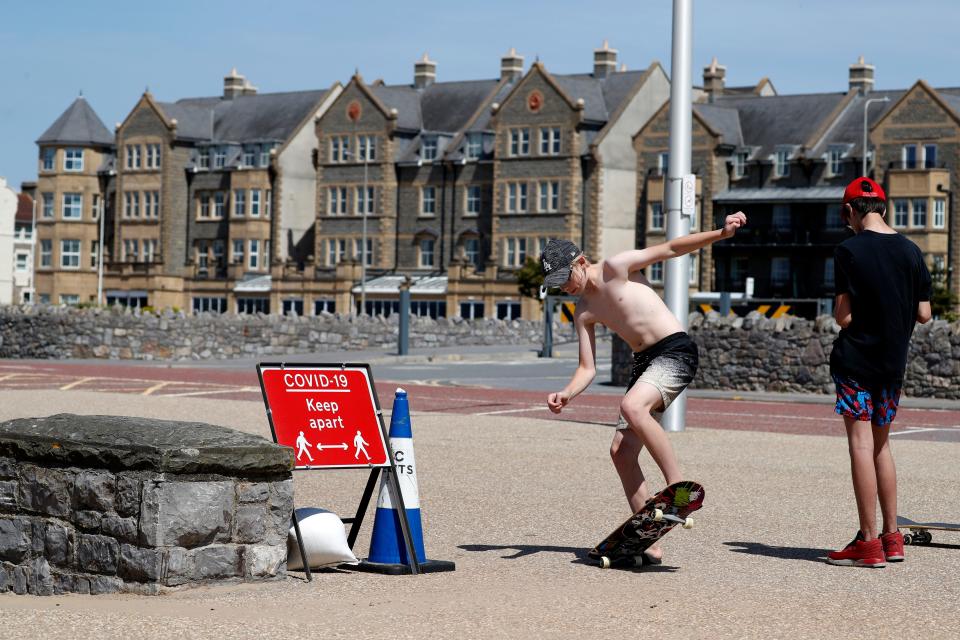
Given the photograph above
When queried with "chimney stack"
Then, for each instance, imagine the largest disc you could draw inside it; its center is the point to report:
(861, 76)
(713, 79)
(604, 61)
(511, 65)
(233, 84)
(424, 72)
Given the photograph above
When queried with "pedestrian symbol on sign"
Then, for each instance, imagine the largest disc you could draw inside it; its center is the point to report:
(302, 446)
(360, 443)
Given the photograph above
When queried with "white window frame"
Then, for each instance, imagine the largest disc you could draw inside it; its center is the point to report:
(46, 253)
(219, 204)
(357, 247)
(239, 203)
(656, 213)
(203, 158)
(219, 158)
(360, 202)
(429, 146)
(740, 164)
(48, 159)
(70, 250)
(939, 213)
(781, 163)
(474, 196)
(472, 256)
(426, 247)
(916, 211)
(901, 213)
(47, 207)
(254, 203)
(474, 146)
(253, 254)
(73, 159)
(514, 251)
(656, 273)
(72, 202)
(904, 162)
(428, 201)
(549, 196)
(238, 251)
(249, 157)
(835, 161)
(21, 261)
(549, 141)
(367, 148)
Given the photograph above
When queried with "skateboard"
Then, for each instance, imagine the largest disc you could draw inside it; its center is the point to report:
(672, 506)
(920, 531)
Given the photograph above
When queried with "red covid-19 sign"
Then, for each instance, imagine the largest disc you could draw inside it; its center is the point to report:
(328, 414)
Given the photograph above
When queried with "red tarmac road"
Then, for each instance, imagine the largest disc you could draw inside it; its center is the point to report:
(780, 416)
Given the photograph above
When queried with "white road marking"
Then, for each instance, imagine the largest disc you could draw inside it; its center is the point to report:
(156, 387)
(75, 383)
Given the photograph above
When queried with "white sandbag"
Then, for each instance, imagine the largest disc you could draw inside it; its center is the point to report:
(324, 540)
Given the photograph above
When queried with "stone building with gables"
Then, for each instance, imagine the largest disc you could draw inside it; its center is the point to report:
(466, 180)
(785, 160)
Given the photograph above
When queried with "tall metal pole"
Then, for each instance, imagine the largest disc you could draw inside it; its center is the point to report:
(677, 272)
(865, 105)
(103, 196)
(363, 241)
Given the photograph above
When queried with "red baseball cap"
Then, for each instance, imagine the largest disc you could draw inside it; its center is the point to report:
(863, 188)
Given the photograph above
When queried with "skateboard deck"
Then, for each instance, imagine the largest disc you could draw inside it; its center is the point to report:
(920, 531)
(672, 506)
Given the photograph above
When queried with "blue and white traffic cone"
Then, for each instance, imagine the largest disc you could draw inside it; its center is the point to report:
(388, 552)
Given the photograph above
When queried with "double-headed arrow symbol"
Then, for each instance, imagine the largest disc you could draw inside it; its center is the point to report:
(342, 445)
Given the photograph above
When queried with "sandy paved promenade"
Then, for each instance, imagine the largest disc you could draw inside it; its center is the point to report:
(517, 502)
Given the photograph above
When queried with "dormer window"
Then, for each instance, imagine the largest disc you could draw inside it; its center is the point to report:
(740, 164)
(249, 156)
(474, 146)
(203, 160)
(219, 158)
(48, 156)
(835, 160)
(428, 148)
(781, 168)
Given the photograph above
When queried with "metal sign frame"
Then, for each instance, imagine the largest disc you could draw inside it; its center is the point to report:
(389, 468)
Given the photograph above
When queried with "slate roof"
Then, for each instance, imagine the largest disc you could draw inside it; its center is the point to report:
(79, 124)
(601, 96)
(725, 120)
(250, 118)
(770, 121)
(848, 128)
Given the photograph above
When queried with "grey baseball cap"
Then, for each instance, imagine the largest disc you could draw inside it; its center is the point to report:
(555, 261)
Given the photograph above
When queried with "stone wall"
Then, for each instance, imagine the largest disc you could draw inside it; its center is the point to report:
(100, 504)
(793, 355)
(56, 332)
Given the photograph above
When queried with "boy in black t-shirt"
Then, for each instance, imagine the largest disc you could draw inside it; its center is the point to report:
(883, 290)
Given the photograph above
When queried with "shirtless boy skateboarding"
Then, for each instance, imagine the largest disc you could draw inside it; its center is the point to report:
(615, 293)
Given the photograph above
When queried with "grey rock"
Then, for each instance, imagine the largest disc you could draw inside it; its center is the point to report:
(95, 490)
(58, 544)
(97, 554)
(15, 539)
(123, 529)
(178, 568)
(128, 494)
(186, 514)
(45, 491)
(118, 442)
(88, 520)
(261, 561)
(251, 523)
(141, 565)
(8, 468)
(217, 561)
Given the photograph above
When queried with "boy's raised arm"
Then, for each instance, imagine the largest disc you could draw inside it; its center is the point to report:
(634, 260)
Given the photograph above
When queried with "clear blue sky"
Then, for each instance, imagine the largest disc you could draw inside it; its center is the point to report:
(113, 50)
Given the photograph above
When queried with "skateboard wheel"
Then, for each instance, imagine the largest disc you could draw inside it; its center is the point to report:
(688, 523)
(907, 538)
(604, 562)
(657, 515)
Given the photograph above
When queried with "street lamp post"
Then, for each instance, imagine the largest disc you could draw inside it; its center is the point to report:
(865, 105)
(363, 240)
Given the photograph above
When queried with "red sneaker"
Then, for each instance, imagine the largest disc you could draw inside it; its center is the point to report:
(859, 554)
(893, 546)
